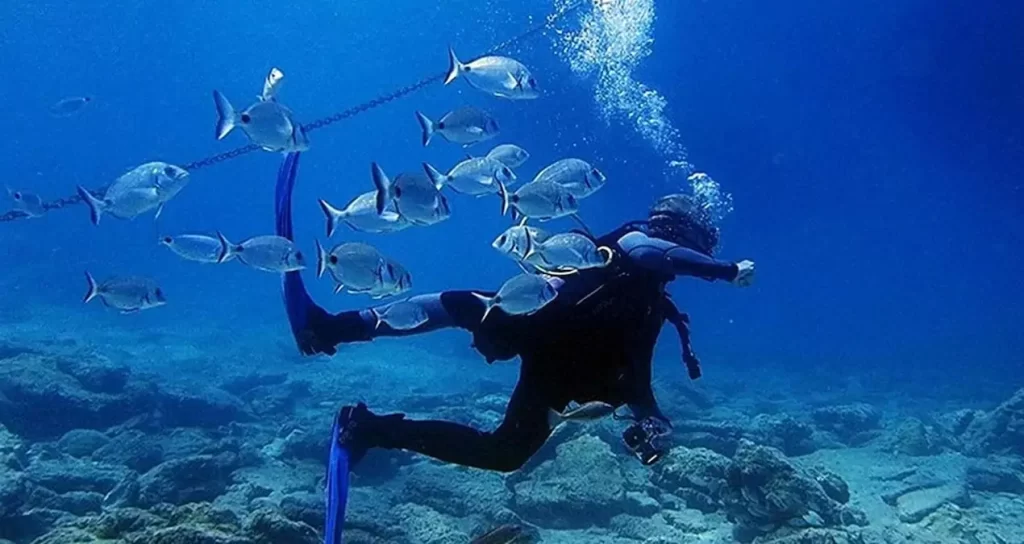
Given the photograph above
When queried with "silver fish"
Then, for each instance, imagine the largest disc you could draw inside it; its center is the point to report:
(499, 76)
(268, 253)
(567, 251)
(400, 316)
(272, 84)
(542, 201)
(590, 411)
(69, 106)
(516, 240)
(353, 265)
(510, 155)
(394, 280)
(523, 294)
(361, 214)
(466, 125)
(29, 204)
(415, 197)
(577, 175)
(268, 124)
(127, 294)
(144, 188)
(198, 247)
(475, 177)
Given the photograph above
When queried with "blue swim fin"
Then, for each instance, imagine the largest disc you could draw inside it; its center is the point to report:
(337, 489)
(297, 301)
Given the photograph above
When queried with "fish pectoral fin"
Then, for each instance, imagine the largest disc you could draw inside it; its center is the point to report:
(511, 81)
(475, 130)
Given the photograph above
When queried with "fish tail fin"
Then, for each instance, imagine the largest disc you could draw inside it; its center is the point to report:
(225, 115)
(93, 288)
(376, 318)
(95, 205)
(488, 303)
(227, 249)
(554, 418)
(437, 178)
(454, 66)
(321, 259)
(428, 127)
(385, 190)
(503, 192)
(333, 216)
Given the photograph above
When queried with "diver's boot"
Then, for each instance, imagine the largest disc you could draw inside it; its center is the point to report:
(361, 429)
(323, 332)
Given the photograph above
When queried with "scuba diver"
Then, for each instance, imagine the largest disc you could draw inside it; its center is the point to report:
(593, 342)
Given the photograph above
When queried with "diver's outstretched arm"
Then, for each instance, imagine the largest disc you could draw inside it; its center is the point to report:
(674, 259)
(444, 310)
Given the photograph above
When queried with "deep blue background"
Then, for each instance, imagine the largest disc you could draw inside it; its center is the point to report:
(874, 150)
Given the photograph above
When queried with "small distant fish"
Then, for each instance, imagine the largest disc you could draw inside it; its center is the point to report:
(69, 106)
(542, 201)
(466, 125)
(29, 204)
(504, 534)
(271, 85)
(416, 198)
(499, 76)
(510, 155)
(127, 294)
(144, 188)
(355, 266)
(199, 248)
(268, 253)
(474, 177)
(517, 239)
(521, 295)
(566, 252)
(361, 214)
(400, 316)
(587, 412)
(577, 175)
(268, 124)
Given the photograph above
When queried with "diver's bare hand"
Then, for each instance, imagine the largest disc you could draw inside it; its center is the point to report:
(745, 274)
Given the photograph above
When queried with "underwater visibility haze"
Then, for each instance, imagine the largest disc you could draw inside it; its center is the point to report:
(246, 194)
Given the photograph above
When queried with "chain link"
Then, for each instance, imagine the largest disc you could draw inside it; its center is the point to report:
(377, 102)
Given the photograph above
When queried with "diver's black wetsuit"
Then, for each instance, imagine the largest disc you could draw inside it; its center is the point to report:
(593, 342)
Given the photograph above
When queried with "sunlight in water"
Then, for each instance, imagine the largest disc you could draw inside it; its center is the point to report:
(612, 41)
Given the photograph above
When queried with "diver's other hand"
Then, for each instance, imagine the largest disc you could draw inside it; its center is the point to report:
(744, 274)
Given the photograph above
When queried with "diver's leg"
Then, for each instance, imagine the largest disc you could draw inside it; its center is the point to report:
(520, 435)
(448, 309)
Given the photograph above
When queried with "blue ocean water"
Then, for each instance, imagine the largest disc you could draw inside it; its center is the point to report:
(872, 153)
(872, 150)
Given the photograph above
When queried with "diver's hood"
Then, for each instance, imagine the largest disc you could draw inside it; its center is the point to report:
(681, 219)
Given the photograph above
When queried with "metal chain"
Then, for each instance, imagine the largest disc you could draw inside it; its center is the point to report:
(549, 21)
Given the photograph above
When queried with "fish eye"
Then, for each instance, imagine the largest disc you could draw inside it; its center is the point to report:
(333, 259)
(298, 256)
(531, 82)
(502, 240)
(167, 240)
(159, 293)
(170, 171)
(16, 195)
(245, 118)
